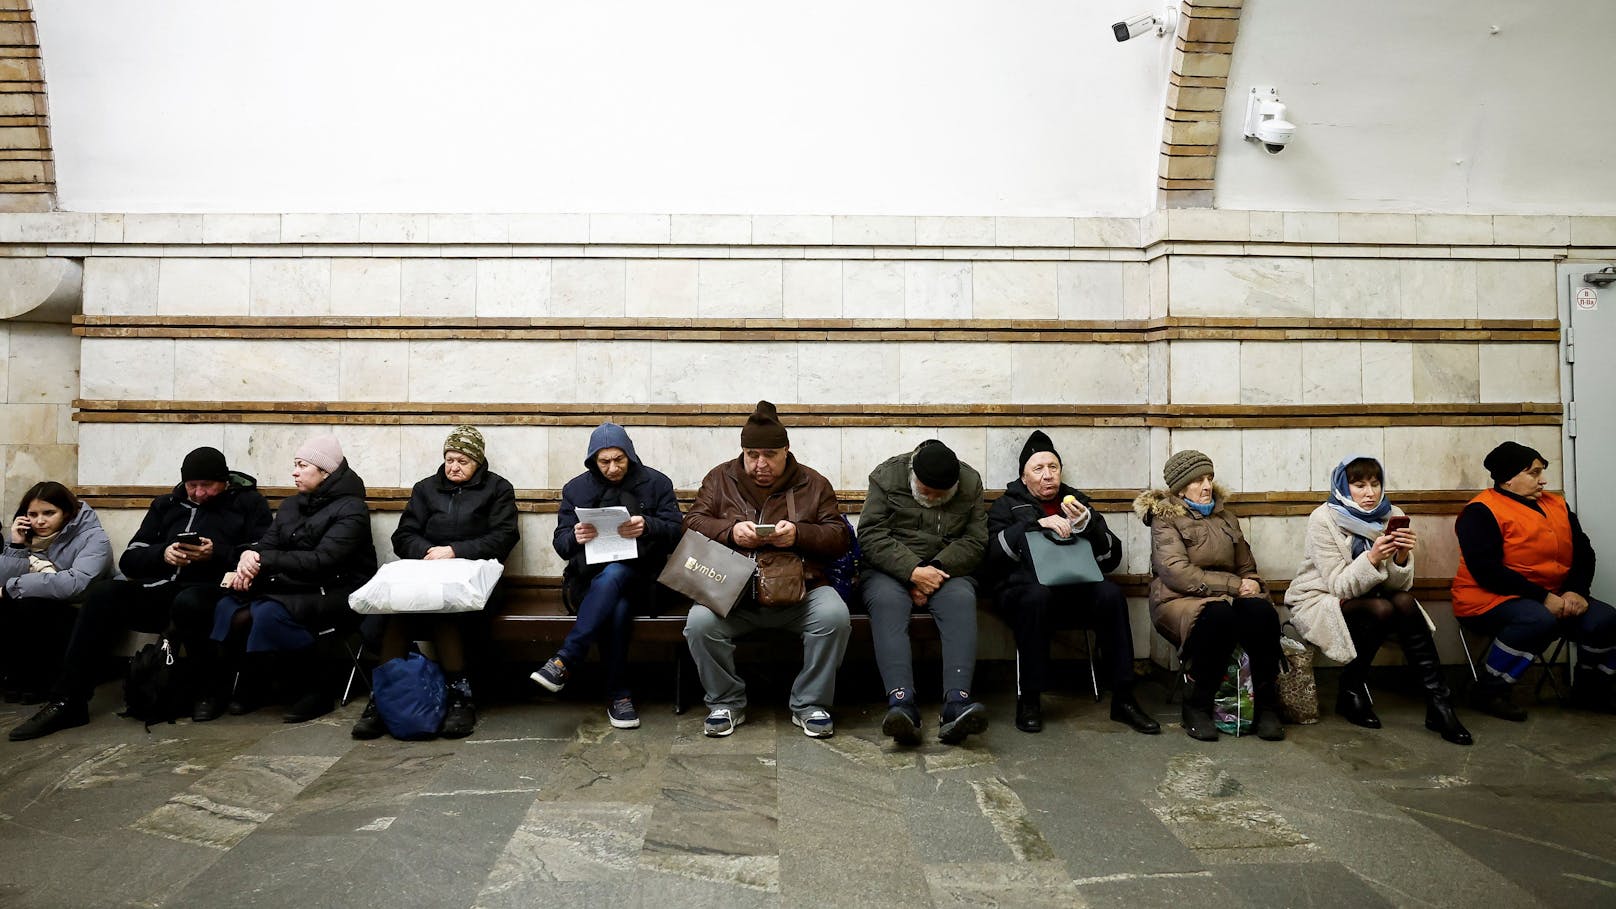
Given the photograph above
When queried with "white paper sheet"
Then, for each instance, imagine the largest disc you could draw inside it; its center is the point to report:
(607, 546)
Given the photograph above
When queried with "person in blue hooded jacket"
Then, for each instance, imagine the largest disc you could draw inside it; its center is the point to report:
(605, 595)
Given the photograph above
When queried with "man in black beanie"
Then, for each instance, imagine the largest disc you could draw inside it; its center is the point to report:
(189, 538)
(783, 514)
(1040, 502)
(922, 531)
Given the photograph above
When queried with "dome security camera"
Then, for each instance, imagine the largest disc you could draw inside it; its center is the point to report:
(1275, 133)
(1265, 120)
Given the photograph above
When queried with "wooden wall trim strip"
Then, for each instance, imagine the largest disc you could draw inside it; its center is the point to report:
(1177, 416)
(1291, 503)
(872, 330)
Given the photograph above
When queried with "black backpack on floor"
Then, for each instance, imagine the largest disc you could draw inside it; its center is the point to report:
(157, 689)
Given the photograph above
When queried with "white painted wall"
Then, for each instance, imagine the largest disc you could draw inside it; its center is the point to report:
(946, 107)
(1419, 106)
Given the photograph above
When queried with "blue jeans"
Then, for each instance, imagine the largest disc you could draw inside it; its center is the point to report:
(1523, 628)
(604, 613)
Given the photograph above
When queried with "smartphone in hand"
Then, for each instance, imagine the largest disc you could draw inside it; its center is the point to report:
(1397, 522)
(764, 530)
(188, 538)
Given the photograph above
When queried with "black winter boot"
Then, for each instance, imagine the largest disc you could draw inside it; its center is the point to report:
(1420, 651)
(1197, 710)
(1493, 698)
(1593, 690)
(460, 717)
(1270, 725)
(369, 725)
(214, 680)
(314, 700)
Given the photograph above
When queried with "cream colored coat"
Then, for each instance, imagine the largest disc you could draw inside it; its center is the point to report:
(1329, 574)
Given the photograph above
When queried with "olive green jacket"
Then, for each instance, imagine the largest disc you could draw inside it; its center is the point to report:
(897, 534)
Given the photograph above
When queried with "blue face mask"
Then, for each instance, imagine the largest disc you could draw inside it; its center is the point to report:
(1204, 510)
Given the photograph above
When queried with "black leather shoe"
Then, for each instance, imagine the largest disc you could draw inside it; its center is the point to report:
(1030, 713)
(209, 709)
(53, 717)
(310, 706)
(1493, 700)
(369, 725)
(1439, 717)
(1353, 704)
(1127, 710)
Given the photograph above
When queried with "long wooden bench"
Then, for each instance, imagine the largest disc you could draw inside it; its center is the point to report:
(530, 620)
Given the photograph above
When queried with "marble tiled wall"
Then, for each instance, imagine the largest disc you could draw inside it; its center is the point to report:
(1197, 265)
(39, 377)
(798, 288)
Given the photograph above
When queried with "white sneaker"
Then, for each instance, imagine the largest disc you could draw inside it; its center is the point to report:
(722, 721)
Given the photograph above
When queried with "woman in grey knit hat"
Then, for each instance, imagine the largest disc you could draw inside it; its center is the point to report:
(1205, 593)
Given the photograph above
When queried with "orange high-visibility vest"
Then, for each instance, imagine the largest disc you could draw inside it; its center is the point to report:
(1538, 547)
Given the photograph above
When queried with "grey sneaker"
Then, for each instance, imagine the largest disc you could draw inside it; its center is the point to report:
(815, 722)
(722, 721)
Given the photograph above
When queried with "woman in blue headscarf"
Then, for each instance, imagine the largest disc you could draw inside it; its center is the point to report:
(1352, 592)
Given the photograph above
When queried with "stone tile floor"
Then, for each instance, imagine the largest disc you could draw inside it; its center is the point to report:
(547, 804)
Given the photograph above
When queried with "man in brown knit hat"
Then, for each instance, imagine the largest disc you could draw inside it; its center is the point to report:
(784, 514)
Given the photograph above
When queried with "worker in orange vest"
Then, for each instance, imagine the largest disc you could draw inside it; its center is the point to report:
(1525, 567)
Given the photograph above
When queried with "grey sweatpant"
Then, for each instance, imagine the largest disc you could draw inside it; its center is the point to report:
(953, 607)
(821, 620)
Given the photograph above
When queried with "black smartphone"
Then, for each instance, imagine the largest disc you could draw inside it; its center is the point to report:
(189, 538)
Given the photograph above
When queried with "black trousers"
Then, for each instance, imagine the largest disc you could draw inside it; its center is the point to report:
(32, 633)
(1034, 612)
(110, 607)
(1249, 622)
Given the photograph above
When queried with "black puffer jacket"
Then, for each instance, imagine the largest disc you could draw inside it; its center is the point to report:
(318, 550)
(1019, 511)
(477, 518)
(233, 520)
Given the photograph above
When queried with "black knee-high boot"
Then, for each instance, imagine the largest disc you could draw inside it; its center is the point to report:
(1420, 651)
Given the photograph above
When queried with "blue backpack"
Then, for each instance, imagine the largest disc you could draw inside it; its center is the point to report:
(843, 573)
(410, 696)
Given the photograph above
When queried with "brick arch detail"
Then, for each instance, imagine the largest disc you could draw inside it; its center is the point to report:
(27, 167)
(1193, 118)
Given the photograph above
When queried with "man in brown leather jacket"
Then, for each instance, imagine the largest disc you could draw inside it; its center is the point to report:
(784, 514)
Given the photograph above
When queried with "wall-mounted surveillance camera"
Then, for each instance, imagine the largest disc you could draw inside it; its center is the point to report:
(1138, 25)
(1265, 120)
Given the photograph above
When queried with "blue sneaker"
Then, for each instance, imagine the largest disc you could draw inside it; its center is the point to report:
(815, 722)
(722, 721)
(902, 722)
(960, 719)
(622, 714)
(552, 675)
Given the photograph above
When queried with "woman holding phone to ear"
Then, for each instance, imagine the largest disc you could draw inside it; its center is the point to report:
(1352, 592)
(53, 549)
